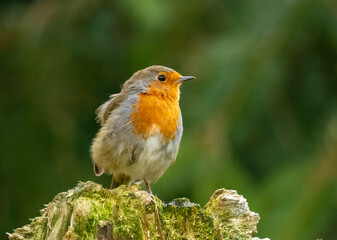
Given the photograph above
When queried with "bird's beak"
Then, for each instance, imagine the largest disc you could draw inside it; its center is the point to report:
(185, 78)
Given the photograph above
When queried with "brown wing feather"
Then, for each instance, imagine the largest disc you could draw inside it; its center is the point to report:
(102, 114)
(103, 111)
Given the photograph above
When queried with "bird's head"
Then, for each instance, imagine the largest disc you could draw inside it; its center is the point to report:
(156, 80)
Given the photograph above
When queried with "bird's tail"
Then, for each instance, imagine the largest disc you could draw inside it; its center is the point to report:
(98, 171)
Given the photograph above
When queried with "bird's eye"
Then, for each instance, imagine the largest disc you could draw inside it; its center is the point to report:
(161, 78)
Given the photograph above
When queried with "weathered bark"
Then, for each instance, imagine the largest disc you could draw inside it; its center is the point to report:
(90, 211)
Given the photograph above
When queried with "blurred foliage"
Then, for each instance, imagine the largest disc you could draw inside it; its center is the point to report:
(261, 117)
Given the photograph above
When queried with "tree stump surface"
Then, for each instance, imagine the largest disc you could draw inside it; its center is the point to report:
(90, 211)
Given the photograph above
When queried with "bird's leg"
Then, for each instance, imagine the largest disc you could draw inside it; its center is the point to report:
(119, 179)
(148, 186)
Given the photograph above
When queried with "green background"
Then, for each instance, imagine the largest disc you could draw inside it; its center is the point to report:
(261, 117)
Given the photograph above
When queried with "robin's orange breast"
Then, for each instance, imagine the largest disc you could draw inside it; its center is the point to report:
(157, 111)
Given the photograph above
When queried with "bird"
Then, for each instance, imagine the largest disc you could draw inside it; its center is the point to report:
(141, 128)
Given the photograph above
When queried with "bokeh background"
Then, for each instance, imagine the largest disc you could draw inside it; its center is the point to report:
(261, 117)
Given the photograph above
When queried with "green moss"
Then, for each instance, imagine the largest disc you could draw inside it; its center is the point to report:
(187, 218)
(89, 211)
(101, 205)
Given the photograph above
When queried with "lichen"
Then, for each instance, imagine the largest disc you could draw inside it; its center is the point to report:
(231, 214)
(90, 211)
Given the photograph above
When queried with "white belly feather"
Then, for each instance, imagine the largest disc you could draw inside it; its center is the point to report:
(153, 161)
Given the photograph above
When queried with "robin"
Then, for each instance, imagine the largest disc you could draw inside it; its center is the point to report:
(141, 128)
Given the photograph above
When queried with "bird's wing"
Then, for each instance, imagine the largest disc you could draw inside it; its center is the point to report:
(103, 111)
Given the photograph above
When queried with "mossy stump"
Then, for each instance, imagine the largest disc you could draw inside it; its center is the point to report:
(90, 211)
